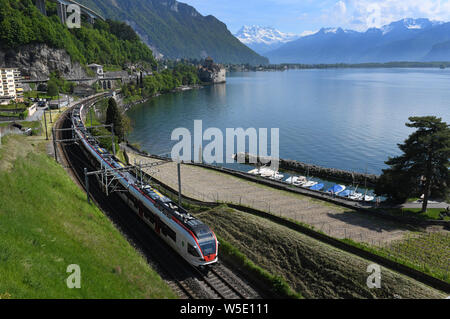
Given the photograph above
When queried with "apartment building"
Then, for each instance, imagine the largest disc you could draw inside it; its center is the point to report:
(10, 85)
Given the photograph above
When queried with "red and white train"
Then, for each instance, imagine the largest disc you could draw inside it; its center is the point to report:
(187, 235)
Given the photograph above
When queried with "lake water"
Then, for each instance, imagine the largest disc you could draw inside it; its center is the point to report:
(350, 119)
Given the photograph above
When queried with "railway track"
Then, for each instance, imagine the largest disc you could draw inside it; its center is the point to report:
(217, 282)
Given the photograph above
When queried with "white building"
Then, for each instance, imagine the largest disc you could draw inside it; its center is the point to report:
(10, 85)
(98, 69)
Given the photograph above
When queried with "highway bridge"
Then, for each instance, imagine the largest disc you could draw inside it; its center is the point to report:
(62, 10)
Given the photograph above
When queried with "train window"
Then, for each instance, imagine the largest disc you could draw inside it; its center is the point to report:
(208, 248)
(192, 251)
(163, 229)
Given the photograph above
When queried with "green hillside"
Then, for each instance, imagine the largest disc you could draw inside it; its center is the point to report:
(177, 30)
(47, 225)
(107, 42)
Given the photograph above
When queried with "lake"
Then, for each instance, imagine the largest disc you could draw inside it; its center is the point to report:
(349, 119)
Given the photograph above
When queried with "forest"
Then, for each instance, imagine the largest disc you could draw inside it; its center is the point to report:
(104, 42)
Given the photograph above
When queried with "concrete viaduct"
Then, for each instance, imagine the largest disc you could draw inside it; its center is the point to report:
(105, 83)
(62, 10)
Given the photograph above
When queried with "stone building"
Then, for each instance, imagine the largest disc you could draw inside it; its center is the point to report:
(211, 72)
(98, 69)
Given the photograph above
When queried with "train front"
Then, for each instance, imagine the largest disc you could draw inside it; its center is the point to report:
(207, 245)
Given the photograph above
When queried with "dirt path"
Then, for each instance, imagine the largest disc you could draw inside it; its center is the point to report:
(208, 185)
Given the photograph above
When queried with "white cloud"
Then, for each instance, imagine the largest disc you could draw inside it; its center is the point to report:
(340, 7)
(364, 14)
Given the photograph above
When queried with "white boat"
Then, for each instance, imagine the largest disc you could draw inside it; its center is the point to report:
(309, 184)
(368, 198)
(277, 176)
(266, 172)
(254, 171)
(356, 196)
(300, 181)
(296, 180)
(292, 180)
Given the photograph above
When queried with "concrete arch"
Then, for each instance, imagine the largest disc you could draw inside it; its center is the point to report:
(62, 9)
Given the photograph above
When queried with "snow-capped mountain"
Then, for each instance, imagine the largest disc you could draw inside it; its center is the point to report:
(410, 24)
(403, 40)
(264, 39)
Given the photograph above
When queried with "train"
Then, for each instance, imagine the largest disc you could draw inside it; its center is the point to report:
(193, 240)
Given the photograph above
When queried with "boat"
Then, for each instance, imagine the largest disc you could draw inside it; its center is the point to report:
(310, 184)
(356, 196)
(368, 198)
(296, 180)
(277, 176)
(300, 181)
(317, 187)
(336, 189)
(254, 171)
(266, 172)
(292, 180)
(345, 193)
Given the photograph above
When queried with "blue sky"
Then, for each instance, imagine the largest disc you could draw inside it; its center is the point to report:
(298, 16)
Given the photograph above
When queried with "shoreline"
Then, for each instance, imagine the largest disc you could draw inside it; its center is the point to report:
(183, 88)
(298, 66)
(315, 170)
(334, 174)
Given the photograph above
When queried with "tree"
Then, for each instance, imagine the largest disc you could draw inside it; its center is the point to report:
(52, 88)
(113, 116)
(423, 166)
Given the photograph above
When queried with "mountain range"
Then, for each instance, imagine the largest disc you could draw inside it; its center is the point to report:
(177, 30)
(264, 39)
(404, 40)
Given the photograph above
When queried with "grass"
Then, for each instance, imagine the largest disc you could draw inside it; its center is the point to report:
(13, 106)
(431, 213)
(310, 267)
(46, 225)
(34, 125)
(425, 252)
(36, 94)
(20, 115)
(277, 283)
